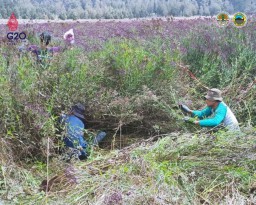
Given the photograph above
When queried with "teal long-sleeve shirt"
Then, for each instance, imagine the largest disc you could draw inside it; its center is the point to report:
(218, 115)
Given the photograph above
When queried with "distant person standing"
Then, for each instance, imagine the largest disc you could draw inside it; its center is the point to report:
(45, 39)
(69, 38)
(44, 51)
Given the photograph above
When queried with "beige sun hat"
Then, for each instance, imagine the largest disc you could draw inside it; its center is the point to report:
(214, 94)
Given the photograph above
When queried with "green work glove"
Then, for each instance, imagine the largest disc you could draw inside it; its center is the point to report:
(189, 120)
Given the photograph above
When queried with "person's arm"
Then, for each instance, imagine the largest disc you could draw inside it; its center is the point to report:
(202, 113)
(79, 133)
(216, 120)
(82, 142)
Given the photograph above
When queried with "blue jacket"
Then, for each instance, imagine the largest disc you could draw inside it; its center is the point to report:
(74, 135)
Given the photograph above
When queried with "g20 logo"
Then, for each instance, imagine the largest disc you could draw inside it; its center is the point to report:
(16, 36)
(13, 25)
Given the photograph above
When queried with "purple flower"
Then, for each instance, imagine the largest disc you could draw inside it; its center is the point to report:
(33, 48)
(56, 49)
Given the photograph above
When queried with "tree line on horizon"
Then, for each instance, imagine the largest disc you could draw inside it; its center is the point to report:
(118, 9)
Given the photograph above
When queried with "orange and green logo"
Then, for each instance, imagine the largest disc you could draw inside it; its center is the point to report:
(223, 19)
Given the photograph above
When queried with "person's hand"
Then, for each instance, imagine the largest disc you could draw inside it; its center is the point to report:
(196, 122)
(185, 108)
(83, 157)
(79, 147)
(190, 120)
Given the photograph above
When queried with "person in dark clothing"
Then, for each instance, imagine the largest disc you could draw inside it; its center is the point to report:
(45, 38)
(74, 129)
(75, 125)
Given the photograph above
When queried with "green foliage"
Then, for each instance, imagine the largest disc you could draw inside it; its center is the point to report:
(219, 59)
(179, 168)
(130, 66)
(131, 87)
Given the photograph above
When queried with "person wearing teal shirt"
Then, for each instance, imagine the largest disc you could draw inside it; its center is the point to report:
(216, 112)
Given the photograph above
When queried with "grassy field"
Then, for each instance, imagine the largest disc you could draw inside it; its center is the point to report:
(131, 76)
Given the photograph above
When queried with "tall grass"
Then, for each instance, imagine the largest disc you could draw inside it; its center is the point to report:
(177, 169)
(131, 85)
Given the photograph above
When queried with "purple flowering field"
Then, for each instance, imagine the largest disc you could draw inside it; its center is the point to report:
(91, 35)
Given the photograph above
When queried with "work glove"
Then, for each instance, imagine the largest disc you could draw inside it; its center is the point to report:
(184, 108)
(82, 153)
(189, 120)
(83, 156)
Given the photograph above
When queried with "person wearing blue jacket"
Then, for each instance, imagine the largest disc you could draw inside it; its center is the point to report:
(214, 114)
(74, 123)
(74, 130)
